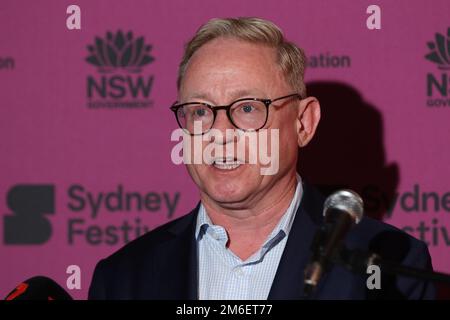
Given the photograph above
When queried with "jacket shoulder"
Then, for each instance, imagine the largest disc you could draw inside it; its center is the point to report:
(118, 275)
(153, 238)
(385, 239)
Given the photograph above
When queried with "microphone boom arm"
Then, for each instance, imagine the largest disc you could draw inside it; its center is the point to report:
(358, 261)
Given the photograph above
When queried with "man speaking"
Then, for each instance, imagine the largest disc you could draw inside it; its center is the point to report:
(251, 234)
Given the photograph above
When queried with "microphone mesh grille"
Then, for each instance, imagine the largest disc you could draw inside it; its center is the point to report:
(345, 200)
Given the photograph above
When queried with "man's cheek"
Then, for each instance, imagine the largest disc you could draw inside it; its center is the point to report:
(193, 149)
(270, 156)
(195, 172)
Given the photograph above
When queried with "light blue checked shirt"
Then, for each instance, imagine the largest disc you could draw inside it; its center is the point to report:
(223, 275)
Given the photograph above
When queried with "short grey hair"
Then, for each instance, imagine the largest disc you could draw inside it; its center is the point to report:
(290, 57)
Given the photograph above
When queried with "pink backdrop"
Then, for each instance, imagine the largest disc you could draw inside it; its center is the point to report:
(377, 89)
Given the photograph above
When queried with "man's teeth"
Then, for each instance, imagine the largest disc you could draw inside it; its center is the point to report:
(226, 164)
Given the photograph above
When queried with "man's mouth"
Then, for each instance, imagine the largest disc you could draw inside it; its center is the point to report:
(226, 163)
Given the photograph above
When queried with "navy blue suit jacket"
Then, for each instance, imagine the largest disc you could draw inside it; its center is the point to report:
(162, 264)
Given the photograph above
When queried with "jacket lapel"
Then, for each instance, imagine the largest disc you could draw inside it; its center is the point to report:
(176, 264)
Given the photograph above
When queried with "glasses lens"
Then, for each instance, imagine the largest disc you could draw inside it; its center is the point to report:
(249, 114)
(195, 118)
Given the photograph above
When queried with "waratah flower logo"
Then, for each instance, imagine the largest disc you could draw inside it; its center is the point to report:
(440, 53)
(119, 51)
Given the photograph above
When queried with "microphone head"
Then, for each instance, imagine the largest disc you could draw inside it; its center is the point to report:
(38, 288)
(346, 201)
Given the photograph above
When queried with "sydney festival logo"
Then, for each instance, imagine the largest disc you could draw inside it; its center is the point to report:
(120, 58)
(440, 51)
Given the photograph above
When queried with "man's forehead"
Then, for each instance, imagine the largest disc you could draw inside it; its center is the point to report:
(229, 69)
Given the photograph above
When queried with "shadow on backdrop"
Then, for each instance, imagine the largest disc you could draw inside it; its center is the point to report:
(348, 149)
(348, 152)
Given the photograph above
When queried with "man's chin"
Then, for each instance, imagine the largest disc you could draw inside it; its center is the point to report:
(229, 185)
(228, 193)
(228, 200)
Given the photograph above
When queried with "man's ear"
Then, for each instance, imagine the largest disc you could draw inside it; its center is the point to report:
(308, 118)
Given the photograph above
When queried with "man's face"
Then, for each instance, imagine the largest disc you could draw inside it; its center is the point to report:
(219, 73)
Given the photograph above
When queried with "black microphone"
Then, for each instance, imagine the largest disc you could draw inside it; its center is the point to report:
(342, 210)
(38, 288)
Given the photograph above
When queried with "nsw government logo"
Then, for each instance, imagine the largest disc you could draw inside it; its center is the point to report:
(121, 82)
(438, 81)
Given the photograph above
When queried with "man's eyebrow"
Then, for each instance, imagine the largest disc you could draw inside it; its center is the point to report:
(234, 95)
(246, 93)
(197, 96)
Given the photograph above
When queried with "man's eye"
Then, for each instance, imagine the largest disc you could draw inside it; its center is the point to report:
(200, 112)
(247, 108)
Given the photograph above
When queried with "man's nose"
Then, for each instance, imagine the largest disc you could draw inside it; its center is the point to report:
(223, 124)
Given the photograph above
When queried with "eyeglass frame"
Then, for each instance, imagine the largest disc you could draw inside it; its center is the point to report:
(267, 102)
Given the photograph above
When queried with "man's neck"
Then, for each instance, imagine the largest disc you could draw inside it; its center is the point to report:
(248, 228)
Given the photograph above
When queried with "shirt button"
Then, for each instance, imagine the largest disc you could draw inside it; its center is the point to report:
(239, 271)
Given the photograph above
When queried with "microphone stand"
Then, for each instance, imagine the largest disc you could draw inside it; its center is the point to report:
(356, 261)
